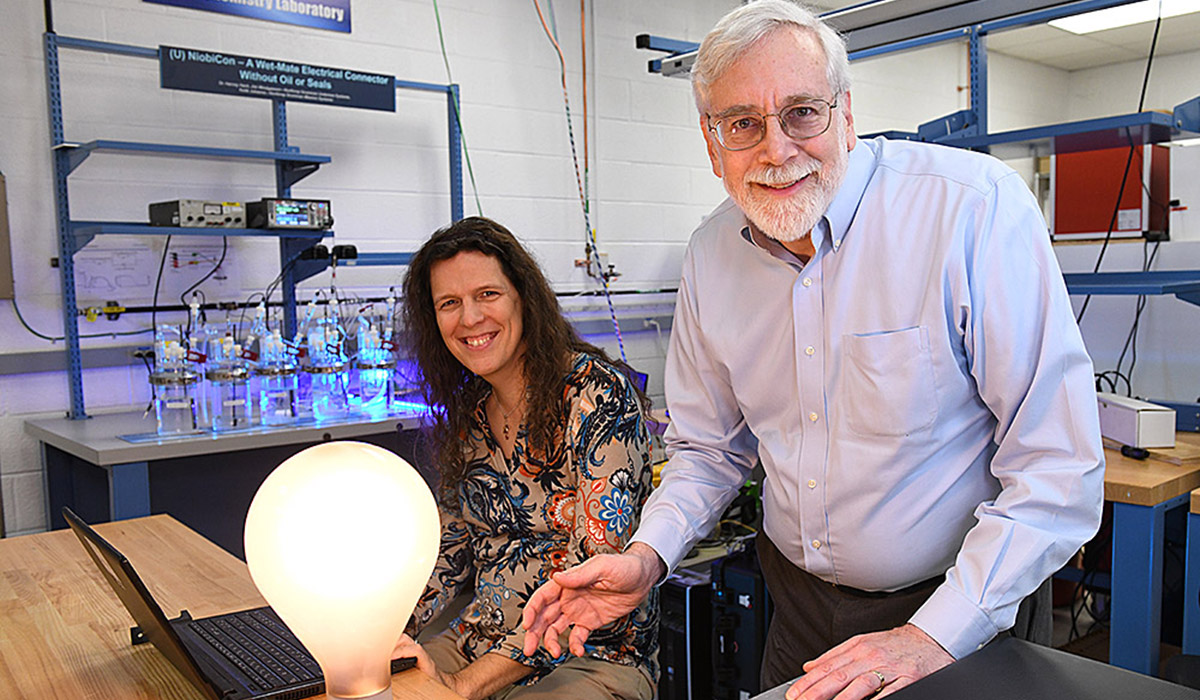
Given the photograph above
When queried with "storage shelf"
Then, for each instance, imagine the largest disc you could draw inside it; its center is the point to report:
(1087, 135)
(378, 260)
(77, 153)
(84, 231)
(1184, 284)
(96, 228)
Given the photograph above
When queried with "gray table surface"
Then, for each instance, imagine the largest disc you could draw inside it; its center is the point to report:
(98, 439)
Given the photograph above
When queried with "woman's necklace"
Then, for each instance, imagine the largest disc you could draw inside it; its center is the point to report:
(508, 413)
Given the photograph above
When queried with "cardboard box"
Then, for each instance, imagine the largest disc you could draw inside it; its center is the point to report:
(1135, 423)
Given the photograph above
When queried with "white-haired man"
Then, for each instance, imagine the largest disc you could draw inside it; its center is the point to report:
(885, 326)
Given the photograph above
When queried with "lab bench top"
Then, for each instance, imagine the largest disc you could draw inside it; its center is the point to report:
(99, 440)
(1168, 473)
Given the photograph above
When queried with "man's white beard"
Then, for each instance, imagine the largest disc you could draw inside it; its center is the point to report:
(793, 218)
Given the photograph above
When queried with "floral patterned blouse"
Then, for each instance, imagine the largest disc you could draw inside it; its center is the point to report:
(518, 521)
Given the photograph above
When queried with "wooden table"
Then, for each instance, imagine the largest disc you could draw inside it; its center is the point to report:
(1142, 492)
(64, 634)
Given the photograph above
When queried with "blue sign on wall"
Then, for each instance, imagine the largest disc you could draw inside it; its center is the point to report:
(319, 14)
(231, 74)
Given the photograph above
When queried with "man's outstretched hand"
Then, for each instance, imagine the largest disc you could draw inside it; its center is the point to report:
(589, 596)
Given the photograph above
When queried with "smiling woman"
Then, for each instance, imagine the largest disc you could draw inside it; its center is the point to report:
(543, 451)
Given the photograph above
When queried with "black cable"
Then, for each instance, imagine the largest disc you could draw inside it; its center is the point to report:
(213, 271)
(205, 278)
(202, 317)
(1131, 338)
(278, 280)
(1128, 161)
(162, 262)
(1091, 566)
(246, 305)
(61, 338)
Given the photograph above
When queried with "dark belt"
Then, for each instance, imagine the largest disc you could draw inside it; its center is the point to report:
(916, 587)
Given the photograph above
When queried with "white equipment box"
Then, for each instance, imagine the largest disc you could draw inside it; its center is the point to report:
(1136, 423)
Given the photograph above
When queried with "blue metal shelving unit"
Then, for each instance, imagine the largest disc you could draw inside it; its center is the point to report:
(1184, 284)
(291, 166)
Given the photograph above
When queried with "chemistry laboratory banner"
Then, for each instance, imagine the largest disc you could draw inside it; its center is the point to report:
(231, 74)
(319, 14)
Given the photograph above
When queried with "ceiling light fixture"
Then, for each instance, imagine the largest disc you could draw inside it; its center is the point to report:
(1124, 15)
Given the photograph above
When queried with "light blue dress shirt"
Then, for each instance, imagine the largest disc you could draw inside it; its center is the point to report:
(918, 392)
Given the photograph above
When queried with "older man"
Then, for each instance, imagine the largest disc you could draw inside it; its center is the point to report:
(884, 325)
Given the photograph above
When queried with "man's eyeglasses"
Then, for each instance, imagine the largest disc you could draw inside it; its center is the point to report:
(800, 121)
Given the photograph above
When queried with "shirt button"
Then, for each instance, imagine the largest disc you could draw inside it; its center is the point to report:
(813, 416)
(837, 244)
(816, 544)
(807, 282)
(812, 483)
(809, 350)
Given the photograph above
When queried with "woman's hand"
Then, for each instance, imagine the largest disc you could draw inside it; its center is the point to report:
(480, 679)
(406, 646)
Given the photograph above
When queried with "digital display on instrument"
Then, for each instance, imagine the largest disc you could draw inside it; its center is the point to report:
(291, 214)
(309, 214)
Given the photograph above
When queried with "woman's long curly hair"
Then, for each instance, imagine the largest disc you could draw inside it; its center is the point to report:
(454, 391)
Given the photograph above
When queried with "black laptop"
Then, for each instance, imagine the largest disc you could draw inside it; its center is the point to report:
(244, 655)
(1013, 669)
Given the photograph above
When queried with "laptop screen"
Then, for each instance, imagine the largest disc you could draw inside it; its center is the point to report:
(128, 586)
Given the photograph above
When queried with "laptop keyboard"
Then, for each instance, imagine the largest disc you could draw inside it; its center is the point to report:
(260, 646)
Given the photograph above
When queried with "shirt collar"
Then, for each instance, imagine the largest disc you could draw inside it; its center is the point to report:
(836, 221)
(840, 213)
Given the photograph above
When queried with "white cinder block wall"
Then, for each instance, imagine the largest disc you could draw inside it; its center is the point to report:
(649, 182)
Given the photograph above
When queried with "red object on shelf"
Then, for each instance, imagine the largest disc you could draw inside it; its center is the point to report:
(1085, 186)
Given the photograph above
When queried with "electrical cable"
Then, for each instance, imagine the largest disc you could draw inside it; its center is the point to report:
(162, 262)
(1128, 161)
(457, 110)
(1131, 338)
(591, 246)
(583, 59)
(213, 271)
(279, 278)
(61, 338)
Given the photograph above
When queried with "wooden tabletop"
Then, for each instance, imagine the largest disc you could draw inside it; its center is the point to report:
(1196, 501)
(64, 633)
(1146, 482)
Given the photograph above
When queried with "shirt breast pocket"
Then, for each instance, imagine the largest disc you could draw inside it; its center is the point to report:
(889, 386)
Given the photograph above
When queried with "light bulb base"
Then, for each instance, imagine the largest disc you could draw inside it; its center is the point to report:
(385, 694)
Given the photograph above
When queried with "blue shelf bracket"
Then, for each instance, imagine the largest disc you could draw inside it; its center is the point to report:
(75, 154)
(1187, 115)
(951, 126)
(293, 172)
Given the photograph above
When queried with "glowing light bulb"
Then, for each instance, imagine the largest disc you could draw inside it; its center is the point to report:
(341, 539)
